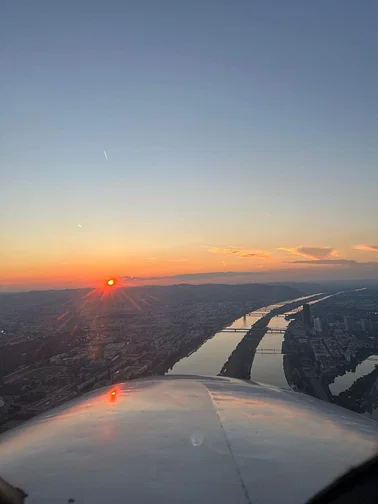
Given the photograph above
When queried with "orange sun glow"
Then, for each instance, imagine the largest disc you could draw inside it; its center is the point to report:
(111, 282)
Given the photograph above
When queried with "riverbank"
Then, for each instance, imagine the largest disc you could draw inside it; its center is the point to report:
(214, 347)
(186, 349)
(240, 361)
(239, 364)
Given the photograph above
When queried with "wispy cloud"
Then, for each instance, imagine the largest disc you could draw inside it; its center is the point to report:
(366, 248)
(240, 252)
(314, 253)
(348, 262)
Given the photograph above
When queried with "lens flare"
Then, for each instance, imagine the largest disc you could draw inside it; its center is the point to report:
(113, 396)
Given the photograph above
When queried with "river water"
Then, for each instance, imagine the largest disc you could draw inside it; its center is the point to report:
(210, 357)
(345, 381)
(267, 365)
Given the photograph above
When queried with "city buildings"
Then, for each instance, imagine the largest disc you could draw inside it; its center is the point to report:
(48, 358)
(307, 316)
(366, 325)
(318, 325)
(348, 323)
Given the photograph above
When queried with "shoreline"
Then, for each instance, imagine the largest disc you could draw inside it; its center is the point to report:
(239, 364)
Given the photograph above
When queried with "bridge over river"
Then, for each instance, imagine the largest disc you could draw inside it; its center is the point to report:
(247, 329)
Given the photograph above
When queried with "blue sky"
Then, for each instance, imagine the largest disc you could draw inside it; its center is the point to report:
(248, 124)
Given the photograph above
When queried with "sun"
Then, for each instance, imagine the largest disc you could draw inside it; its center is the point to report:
(110, 282)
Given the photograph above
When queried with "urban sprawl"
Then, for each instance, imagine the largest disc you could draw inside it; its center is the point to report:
(57, 345)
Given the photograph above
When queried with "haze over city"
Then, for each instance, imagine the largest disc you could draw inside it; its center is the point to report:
(171, 142)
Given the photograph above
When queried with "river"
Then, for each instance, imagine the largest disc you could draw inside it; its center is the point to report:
(345, 381)
(267, 365)
(210, 357)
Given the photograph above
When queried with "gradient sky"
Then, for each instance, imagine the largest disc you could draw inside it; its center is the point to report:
(238, 136)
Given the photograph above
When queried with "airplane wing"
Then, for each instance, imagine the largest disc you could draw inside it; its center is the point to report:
(185, 439)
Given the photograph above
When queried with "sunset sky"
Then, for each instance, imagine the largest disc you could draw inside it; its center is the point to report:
(195, 141)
